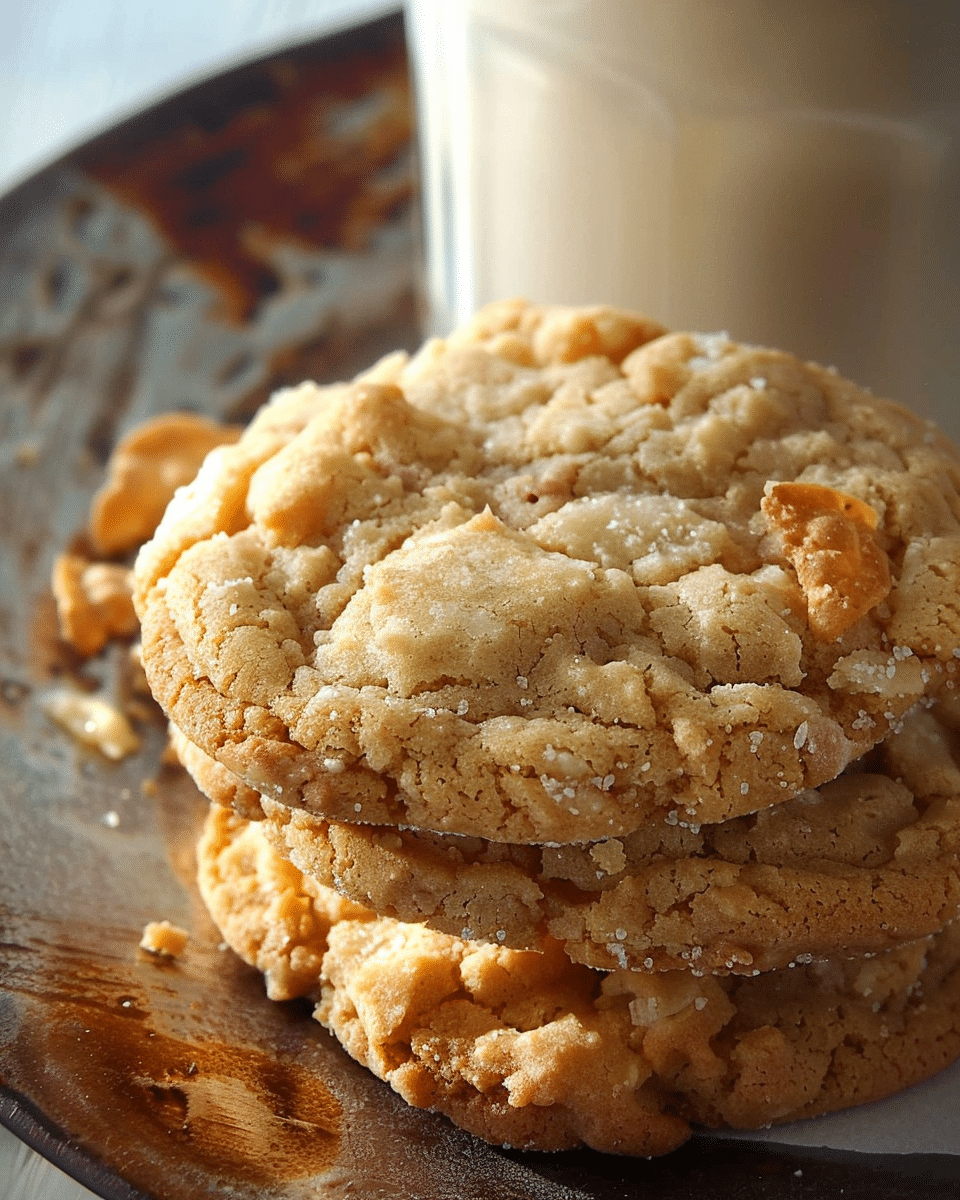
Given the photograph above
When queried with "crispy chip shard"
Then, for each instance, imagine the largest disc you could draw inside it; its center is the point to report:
(831, 541)
(145, 469)
(94, 602)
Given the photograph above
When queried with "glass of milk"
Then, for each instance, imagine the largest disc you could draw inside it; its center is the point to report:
(785, 170)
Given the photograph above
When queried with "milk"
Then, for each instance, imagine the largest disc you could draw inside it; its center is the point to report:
(786, 171)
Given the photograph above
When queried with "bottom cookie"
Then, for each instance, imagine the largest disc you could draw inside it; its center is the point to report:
(532, 1050)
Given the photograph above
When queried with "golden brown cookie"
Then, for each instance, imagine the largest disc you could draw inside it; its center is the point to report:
(272, 916)
(535, 1051)
(870, 860)
(554, 576)
(213, 779)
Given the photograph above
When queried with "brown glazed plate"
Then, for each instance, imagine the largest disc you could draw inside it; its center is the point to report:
(253, 231)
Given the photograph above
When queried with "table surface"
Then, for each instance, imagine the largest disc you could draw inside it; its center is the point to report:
(68, 71)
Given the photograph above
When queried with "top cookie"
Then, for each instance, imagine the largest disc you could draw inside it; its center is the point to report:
(556, 574)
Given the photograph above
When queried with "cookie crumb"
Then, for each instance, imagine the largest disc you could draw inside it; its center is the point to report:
(92, 722)
(94, 602)
(145, 469)
(164, 939)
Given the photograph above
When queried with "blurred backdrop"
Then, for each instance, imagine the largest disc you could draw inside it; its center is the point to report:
(67, 69)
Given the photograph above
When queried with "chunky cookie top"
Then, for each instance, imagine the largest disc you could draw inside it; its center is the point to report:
(555, 575)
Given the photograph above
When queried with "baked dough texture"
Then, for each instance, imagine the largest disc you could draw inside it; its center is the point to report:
(579, 705)
(537, 1052)
(868, 861)
(554, 576)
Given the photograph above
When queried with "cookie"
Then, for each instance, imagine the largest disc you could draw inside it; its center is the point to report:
(556, 577)
(267, 911)
(537, 1052)
(870, 860)
(218, 784)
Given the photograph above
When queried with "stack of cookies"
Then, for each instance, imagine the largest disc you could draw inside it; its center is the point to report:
(577, 704)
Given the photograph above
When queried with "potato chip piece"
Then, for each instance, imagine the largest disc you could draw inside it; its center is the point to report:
(831, 541)
(94, 602)
(145, 469)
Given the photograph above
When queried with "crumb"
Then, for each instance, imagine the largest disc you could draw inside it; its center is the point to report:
(92, 722)
(94, 602)
(163, 939)
(144, 471)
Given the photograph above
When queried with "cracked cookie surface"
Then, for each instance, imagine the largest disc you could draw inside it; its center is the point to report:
(532, 1050)
(553, 576)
